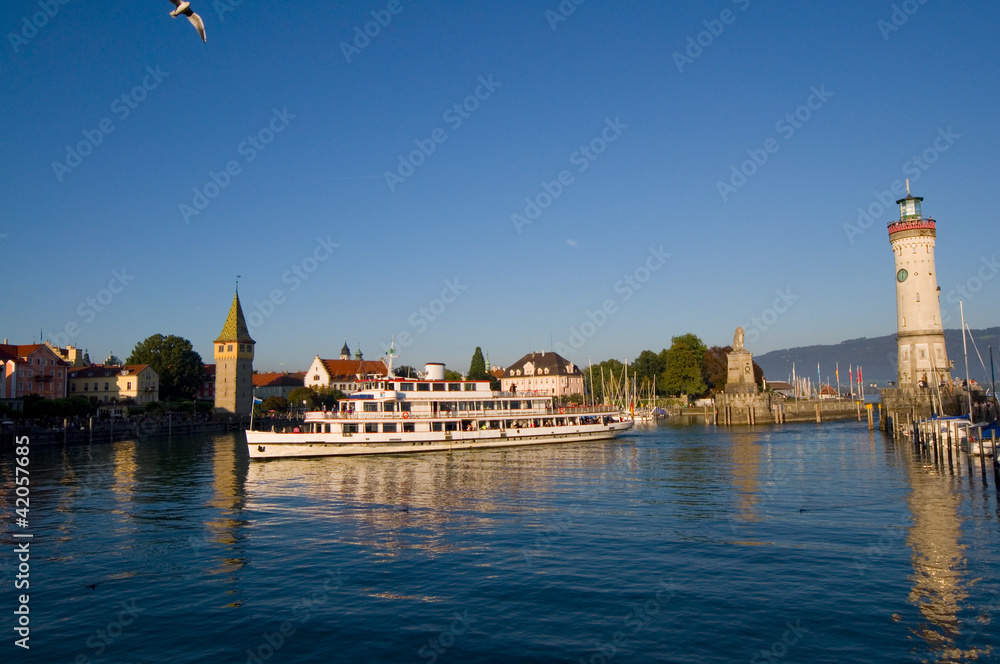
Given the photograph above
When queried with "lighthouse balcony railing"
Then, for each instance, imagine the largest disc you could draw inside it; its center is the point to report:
(912, 225)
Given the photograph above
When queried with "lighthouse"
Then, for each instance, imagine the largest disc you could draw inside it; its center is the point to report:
(923, 359)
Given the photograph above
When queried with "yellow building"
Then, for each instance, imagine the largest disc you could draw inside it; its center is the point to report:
(130, 383)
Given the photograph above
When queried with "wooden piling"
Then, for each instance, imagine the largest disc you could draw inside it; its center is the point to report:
(819, 418)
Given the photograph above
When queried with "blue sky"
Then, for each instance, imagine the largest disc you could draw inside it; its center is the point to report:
(633, 241)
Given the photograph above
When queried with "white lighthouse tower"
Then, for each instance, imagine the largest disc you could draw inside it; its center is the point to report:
(923, 360)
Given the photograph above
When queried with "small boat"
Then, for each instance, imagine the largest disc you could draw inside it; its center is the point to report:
(390, 415)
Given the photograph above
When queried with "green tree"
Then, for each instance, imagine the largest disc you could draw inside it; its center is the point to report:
(477, 368)
(300, 394)
(684, 364)
(328, 397)
(405, 371)
(180, 369)
(649, 365)
(452, 375)
(611, 370)
(279, 404)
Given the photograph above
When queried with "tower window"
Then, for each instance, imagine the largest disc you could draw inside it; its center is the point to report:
(918, 297)
(904, 321)
(221, 348)
(229, 348)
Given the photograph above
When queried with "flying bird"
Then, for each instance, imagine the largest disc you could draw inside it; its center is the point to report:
(185, 8)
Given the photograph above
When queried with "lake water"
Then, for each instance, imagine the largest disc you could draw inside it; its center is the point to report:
(804, 542)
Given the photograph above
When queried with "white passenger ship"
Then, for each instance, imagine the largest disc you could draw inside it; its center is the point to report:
(397, 416)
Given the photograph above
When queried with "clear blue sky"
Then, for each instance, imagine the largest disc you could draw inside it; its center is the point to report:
(678, 128)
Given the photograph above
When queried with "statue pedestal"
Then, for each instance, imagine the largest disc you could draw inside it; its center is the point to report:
(739, 378)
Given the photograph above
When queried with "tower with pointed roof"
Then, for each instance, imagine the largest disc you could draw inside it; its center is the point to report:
(233, 351)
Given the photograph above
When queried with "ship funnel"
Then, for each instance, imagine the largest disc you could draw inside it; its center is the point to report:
(435, 371)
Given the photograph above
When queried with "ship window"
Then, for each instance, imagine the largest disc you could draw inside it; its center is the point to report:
(466, 405)
(423, 387)
(408, 427)
(451, 426)
(406, 387)
(371, 407)
(389, 427)
(388, 406)
(470, 387)
(350, 428)
(439, 387)
(371, 427)
(514, 405)
(454, 387)
(489, 405)
(435, 426)
(405, 406)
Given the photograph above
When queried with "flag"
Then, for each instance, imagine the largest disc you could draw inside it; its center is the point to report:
(837, 372)
(257, 400)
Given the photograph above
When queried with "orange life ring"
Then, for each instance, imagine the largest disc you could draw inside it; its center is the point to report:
(562, 410)
(406, 414)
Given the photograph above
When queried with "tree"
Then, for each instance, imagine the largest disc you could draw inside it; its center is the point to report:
(649, 365)
(477, 368)
(611, 369)
(300, 394)
(715, 367)
(405, 371)
(684, 361)
(180, 369)
(279, 404)
(452, 375)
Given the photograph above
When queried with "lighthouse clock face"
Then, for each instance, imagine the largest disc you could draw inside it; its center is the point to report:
(902, 275)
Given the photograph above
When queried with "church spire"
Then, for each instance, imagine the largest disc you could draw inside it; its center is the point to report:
(235, 328)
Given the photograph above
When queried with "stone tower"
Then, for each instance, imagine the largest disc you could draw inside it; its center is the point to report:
(923, 359)
(234, 364)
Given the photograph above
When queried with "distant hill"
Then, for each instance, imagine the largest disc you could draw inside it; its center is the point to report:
(877, 357)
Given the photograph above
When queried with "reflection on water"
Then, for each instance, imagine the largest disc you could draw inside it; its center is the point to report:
(412, 501)
(746, 455)
(940, 583)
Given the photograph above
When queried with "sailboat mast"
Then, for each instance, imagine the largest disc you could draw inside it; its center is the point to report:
(965, 352)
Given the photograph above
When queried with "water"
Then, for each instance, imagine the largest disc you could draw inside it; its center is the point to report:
(672, 544)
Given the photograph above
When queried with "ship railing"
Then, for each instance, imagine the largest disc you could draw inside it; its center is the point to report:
(481, 414)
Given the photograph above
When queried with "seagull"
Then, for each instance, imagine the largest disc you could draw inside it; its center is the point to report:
(185, 8)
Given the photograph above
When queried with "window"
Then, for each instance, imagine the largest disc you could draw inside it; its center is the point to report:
(423, 387)
(95, 385)
(388, 406)
(350, 428)
(435, 426)
(371, 427)
(439, 387)
(86, 387)
(406, 387)
(128, 385)
(451, 426)
(371, 408)
(389, 427)
(408, 427)
(405, 406)
(454, 387)
(72, 387)
(222, 348)
(470, 387)
(229, 348)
